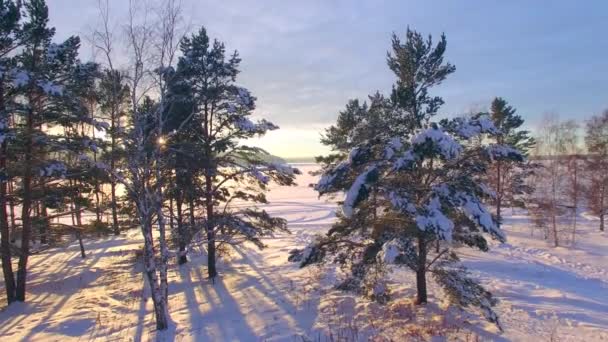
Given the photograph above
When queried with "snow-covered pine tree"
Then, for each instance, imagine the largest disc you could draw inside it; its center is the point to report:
(48, 78)
(231, 171)
(596, 140)
(507, 179)
(186, 163)
(9, 41)
(425, 178)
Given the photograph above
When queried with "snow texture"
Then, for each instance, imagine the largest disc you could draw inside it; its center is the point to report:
(260, 296)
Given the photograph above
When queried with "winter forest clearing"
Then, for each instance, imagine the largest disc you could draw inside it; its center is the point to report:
(139, 200)
(543, 291)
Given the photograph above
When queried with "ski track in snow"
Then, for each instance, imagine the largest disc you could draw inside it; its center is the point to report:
(260, 296)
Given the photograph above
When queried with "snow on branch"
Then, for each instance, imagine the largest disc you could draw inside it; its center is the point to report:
(464, 291)
(244, 124)
(468, 128)
(401, 202)
(392, 147)
(476, 211)
(359, 190)
(499, 152)
(50, 88)
(20, 78)
(433, 218)
(53, 169)
(244, 97)
(439, 141)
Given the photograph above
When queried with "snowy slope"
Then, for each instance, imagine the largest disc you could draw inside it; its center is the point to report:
(545, 292)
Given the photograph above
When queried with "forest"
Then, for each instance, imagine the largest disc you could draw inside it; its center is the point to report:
(136, 203)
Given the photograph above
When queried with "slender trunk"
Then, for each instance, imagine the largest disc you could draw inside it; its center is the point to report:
(575, 200)
(160, 216)
(97, 202)
(181, 231)
(114, 209)
(171, 215)
(82, 252)
(421, 294)
(207, 125)
(97, 187)
(498, 193)
(554, 208)
(5, 236)
(602, 210)
(160, 305)
(11, 202)
(162, 239)
(44, 223)
(191, 209)
(7, 264)
(26, 219)
(78, 212)
(212, 272)
(113, 166)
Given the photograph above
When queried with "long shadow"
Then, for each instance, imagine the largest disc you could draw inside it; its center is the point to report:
(57, 277)
(225, 306)
(34, 303)
(188, 287)
(272, 290)
(78, 275)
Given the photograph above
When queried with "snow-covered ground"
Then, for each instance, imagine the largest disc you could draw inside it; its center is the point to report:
(546, 293)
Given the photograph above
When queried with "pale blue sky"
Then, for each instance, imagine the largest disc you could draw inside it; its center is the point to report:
(305, 59)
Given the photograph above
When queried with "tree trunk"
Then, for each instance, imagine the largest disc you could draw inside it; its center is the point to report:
(498, 194)
(26, 219)
(171, 215)
(421, 294)
(97, 188)
(192, 221)
(160, 305)
(7, 264)
(114, 209)
(212, 272)
(113, 164)
(160, 217)
(82, 252)
(12, 212)
(575, 199)
(181, 231)
(44, 223)
(602, 210)
(5, 236)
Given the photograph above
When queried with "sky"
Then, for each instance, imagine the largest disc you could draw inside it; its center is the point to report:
(304, 60)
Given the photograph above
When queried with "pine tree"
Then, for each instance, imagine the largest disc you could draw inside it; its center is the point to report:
(231, 172)
(596, 140)
(424, 175)
(9, 40)
(49, 80)
(507, 179)
(186, 162)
